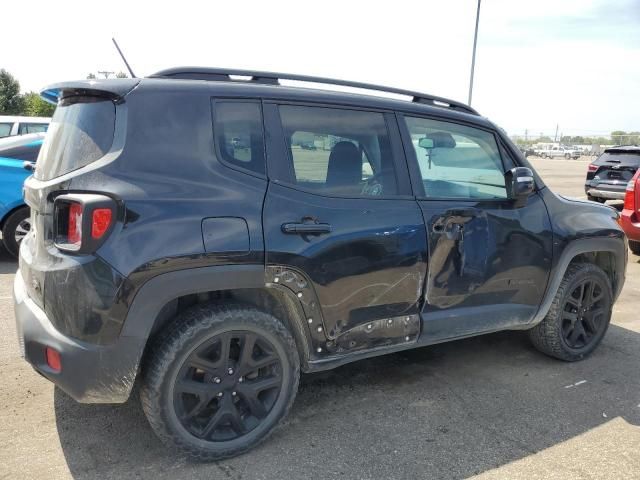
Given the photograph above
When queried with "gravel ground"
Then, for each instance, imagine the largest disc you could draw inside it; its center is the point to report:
(490, 406)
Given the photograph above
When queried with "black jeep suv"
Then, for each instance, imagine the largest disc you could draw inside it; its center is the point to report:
(185, 237)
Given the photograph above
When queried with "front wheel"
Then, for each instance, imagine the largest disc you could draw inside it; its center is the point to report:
(219, 380)
(579, 315)
(15, 229)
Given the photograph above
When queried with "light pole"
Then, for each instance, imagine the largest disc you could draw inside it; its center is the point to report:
(473, 57)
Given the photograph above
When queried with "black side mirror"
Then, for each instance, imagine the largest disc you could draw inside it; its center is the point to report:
(31, 166)
(520, 184)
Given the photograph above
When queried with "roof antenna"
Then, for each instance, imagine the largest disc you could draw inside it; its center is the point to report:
(123, 59)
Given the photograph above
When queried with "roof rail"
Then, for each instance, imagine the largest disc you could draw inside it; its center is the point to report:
(273, 78)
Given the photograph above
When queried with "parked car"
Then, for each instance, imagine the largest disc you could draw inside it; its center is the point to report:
(560, 151)
(527, 151)
(11, 125)
(215, 280)
(630, 216)
(14, 213)
(609, 174)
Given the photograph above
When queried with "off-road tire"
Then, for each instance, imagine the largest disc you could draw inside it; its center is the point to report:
(547, 335)
(634, 247)
(174, 344)
(9, 230)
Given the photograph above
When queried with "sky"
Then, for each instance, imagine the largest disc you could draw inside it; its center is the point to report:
(539, 64)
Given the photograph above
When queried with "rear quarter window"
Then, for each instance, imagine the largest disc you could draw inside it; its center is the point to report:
(81, 132)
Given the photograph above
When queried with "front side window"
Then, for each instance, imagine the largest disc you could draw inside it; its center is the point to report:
(457, 161)
(339, 152)
(238, 134)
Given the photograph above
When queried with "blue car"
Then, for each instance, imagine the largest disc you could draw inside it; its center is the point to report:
(14, 214)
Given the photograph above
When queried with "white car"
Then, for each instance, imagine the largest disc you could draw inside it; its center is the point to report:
(10, 126)
(558, 151)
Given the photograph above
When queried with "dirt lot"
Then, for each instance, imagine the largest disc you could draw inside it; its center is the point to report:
(489, 406)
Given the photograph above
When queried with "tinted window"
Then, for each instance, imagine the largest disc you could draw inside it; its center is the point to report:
(81, 132)
(28, 153)
(238, 135)
(456, 161)
(24, 128)
(5, 129)
(619, 158)
(339, 152)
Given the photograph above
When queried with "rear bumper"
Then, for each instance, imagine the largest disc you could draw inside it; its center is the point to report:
(90, 373)
(602, 191)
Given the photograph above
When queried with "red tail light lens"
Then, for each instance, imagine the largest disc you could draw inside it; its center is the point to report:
(592, 168)
(100, 222)
(630, 194)
(74, 225)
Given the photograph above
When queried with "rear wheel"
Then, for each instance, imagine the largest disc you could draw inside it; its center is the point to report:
(15, 229)
(579, 315)
(634, 247)
(219, 380)
(567, 156)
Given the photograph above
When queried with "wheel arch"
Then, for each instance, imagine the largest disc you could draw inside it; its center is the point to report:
(13, 208)
(608, 253)
(163, 297)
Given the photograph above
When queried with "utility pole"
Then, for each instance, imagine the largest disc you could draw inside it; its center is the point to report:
(555, 138)
(526, 135)
(473, 56)
(105, 73)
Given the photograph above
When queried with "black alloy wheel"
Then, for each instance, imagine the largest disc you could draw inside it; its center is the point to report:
(227, 385)
(584, 314)
(218, 379)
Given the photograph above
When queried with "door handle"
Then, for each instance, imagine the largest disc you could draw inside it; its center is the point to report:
(306, 228)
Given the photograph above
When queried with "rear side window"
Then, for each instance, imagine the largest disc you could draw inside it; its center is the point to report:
(237, 128)
(457, 161)
(81, 132)
(25, 128)
(339, 152)
(5, 129)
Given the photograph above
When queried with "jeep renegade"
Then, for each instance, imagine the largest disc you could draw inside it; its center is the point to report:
(212, 233)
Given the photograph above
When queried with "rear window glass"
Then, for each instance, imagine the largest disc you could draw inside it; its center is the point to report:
(81, 132)
(629, 159)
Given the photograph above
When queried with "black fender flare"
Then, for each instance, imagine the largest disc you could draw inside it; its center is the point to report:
(616, 245)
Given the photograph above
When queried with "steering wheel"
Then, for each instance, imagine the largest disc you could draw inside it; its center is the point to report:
(373, 186)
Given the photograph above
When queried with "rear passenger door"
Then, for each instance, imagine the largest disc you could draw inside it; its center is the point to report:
(342, 230)
(489, 260)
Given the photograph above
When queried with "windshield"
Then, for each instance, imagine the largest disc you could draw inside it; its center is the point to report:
(81, 132)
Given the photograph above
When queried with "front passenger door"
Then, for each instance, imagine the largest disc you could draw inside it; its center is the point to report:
(489, 261)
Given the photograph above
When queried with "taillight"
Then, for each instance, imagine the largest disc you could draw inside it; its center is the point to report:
(100, 222)
(631, 200)
(74, 224)
(82, 221)
(592, 168)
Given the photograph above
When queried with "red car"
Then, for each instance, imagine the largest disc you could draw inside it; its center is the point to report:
(630, 218)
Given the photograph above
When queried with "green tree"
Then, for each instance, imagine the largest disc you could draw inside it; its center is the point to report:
(121, 75)
(11, 102)
(35, 106)
(619, 137)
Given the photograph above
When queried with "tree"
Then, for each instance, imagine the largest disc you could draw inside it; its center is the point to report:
(619, 137)
(35, 106)
(91, 76)
(121, 74)
(11, 102)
